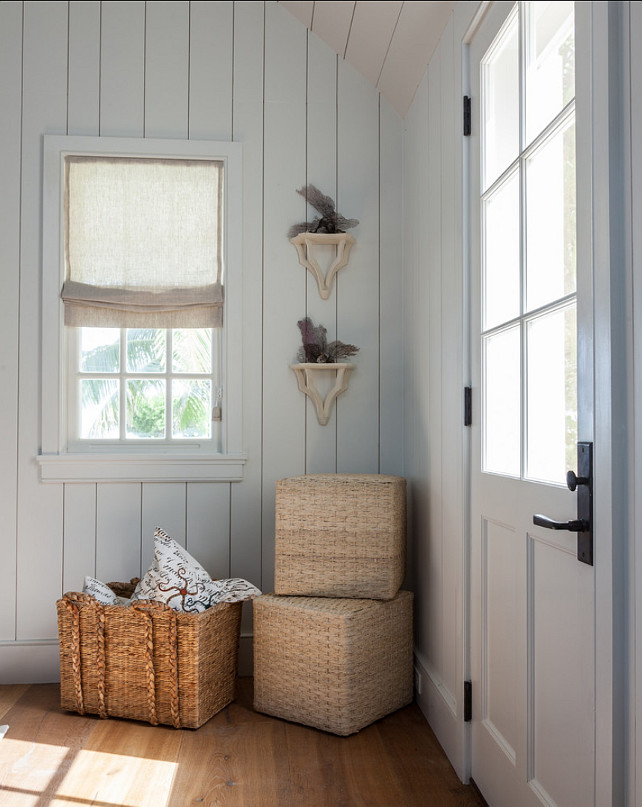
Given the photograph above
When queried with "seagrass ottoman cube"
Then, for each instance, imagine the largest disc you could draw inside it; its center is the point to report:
(333, 664)
(340, 535)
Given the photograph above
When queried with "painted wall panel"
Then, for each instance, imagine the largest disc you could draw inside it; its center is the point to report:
(44, 109)
(10, 136)
(122, 73)
(166, 69)
(79, 553)
(211, 40)
(358, 284)
(321, 171)
(283, 287)
(246, 499)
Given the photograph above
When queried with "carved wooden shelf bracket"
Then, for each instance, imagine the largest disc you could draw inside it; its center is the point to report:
(305, 375)
(304, 243)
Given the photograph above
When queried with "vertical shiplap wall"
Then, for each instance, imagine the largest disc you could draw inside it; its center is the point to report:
(434, 377)
(202, 70)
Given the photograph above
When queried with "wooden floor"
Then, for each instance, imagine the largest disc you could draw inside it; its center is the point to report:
(240, 758)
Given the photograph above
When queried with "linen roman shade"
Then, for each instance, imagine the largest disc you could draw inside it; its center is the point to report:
(143, 242)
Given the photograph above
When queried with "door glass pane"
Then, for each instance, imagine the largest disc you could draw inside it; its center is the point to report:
(502, 418)
(550, 63)
(552, 395)
(500, 102)
(99, 409)
(501, 253)
(550, 228)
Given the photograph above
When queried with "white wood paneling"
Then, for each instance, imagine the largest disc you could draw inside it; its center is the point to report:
(164, 506)
(79, 554)
(166, 68)
(246, 499)
(245, 70)
(433, 386)
(10, 136)
(321, 171)
(283, 288)
(357, 286)
(391, 421)
(122, 75)
(83, 108)
(44, 109)
(208, 527)
(118, 532)
(211, 70)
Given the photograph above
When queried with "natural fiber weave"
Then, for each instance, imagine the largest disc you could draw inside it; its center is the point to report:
(334, 664)
(340, 535)
(146, 661)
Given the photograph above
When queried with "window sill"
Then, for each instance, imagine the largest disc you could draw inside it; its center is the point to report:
(141, 468)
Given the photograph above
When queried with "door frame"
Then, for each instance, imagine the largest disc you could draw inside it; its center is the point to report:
(601, 29)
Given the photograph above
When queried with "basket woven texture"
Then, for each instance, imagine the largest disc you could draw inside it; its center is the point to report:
(147, 661)
(334, 664)
(340, 535)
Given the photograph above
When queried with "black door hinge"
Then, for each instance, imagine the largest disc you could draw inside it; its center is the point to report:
(466, 116)
(468, 701)
(468, 406)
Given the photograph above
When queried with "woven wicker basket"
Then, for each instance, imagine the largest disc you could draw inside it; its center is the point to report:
(340, 535)
(147, 661)
(334, 664)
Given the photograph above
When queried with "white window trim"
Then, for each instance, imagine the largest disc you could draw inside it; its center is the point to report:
(125, 463)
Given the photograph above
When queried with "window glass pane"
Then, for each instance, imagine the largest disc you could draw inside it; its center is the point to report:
(192, 350)
(552, 395)
(550, 62)
(146, 350)
(501, 253)
(500, 102)
(99, 409)
(191, 408)
(502, 445)
(99, 350)
(550, 229)
(145, 409)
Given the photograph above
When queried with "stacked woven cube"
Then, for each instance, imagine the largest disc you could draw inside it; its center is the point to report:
(333, 644)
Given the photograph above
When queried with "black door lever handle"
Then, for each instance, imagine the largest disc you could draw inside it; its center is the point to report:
(579, 525)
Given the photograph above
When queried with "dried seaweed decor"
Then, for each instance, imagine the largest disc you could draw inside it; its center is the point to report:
(315, 348)
(328, 221)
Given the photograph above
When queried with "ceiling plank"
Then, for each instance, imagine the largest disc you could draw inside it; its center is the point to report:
(416, 36)
(331, 22)
(301, 9)
(372, 28)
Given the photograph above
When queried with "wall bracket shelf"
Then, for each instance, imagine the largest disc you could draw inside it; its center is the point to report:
(305, 375)
(304, 243)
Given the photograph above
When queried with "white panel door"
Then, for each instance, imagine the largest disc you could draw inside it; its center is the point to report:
(532, 615)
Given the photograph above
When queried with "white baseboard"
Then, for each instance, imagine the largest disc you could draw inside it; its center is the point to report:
(440, 709)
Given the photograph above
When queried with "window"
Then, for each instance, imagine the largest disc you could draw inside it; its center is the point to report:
(141, 310)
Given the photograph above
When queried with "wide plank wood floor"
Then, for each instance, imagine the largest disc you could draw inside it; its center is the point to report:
(240, 758)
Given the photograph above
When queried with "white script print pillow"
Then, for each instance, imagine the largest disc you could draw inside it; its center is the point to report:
(101, 592)
(180, 581)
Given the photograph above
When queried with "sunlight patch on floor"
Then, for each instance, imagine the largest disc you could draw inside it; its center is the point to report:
(60, 777)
